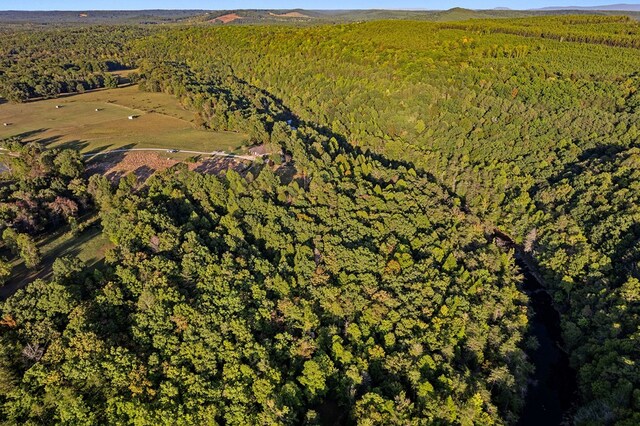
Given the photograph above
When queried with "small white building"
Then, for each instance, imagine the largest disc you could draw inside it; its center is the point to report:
(57, 106)
(131, 117)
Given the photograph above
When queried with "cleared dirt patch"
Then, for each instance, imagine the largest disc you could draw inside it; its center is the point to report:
(144, 164)
(225, 19)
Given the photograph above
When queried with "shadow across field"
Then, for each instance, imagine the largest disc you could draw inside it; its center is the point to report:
(115, 117)
(29, 134)
(74, 144)
(48, 140)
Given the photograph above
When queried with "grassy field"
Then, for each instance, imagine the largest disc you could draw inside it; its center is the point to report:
(160, 122)
(89, 246)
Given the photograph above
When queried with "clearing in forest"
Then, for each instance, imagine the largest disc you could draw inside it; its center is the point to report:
(111, 119)
(225, 19)
(143, 164)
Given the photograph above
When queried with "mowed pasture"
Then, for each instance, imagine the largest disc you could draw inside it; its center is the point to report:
(160, 122)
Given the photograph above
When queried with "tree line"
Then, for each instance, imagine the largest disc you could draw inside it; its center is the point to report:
(47, 63)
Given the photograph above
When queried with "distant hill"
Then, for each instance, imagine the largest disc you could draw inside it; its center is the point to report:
(338, 16)
(623, 7)
(247, 16)
(97, 16)
(289, 16)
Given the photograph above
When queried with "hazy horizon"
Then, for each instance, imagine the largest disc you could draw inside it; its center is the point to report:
(410, 5)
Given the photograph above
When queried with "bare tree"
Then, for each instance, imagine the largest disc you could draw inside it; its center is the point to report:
(530, 240)
(33, 352)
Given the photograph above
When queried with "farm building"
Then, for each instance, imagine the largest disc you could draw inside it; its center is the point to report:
(131, 117)
(258, 150)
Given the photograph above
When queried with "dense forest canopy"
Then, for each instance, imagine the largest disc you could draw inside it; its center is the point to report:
(351, 277)
(46, 63)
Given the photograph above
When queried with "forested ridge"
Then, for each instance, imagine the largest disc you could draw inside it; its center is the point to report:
(353, 278)
(584, 29)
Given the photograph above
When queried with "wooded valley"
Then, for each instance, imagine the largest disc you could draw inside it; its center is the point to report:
(350, 276)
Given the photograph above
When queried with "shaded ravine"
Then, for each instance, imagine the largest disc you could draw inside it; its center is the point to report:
(552, 390)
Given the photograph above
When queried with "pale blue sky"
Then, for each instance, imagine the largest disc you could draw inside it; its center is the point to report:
(287, 4)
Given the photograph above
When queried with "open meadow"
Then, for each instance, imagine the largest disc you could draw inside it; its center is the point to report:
(99, 121)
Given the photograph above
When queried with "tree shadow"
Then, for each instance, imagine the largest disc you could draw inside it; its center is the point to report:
(48, 141)
(143, 173)
(587, 159)
(104, 148)
(26, 135)
(286, 172)
(624, 250)
(253, 168)
(114, 177)
(216, 165)
(74, 144)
